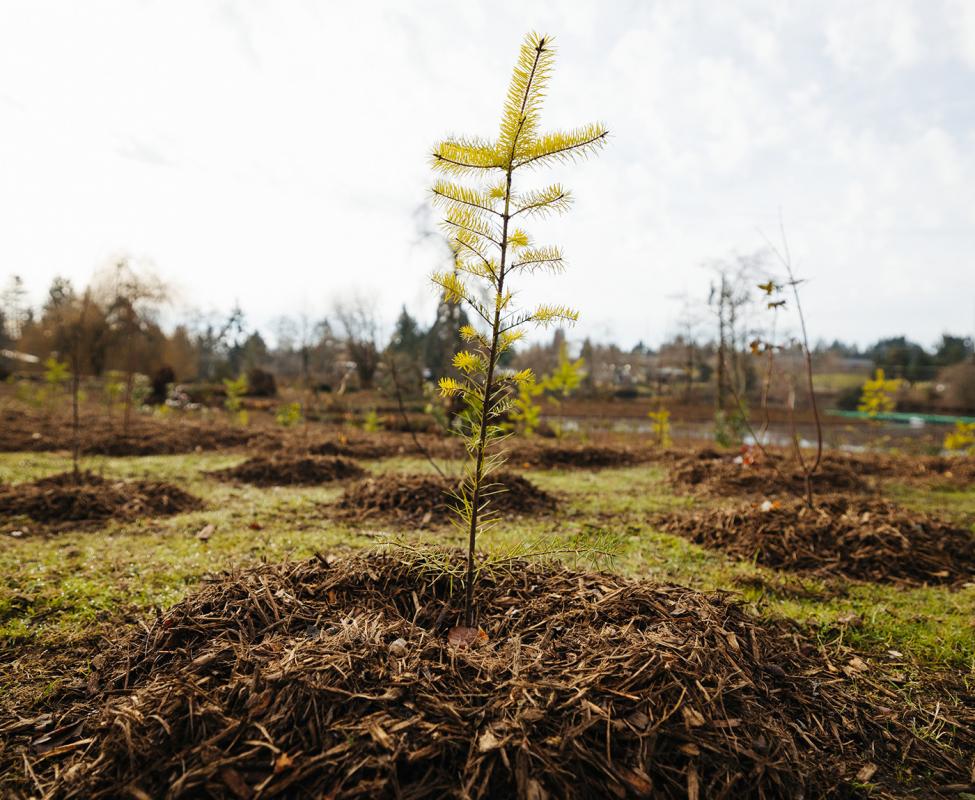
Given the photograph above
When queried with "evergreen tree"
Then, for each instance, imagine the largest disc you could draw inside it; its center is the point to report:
(492, 249)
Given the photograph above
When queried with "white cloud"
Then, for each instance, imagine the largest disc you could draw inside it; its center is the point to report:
(276, 154)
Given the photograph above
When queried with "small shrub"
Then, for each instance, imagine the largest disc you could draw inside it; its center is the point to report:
(113, 389)
(660, 426)
(371, 423)
(961, 439)
(236, 389)
(877, 396)
(288, 415)
(525, 414)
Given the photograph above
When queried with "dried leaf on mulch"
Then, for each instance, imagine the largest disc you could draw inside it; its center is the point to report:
(278, 682)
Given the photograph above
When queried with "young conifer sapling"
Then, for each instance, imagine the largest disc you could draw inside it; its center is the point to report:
(484, 219)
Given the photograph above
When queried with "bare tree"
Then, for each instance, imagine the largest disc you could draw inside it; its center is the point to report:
(360, 325)
(131, 293)
(729, 298)
(688, 333)
(14, 303)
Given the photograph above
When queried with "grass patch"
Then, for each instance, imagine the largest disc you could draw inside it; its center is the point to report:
(57, 587)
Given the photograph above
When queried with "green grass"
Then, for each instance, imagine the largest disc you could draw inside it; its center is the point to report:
(59, 588)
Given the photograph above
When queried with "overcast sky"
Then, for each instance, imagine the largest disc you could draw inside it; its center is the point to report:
(276, 153)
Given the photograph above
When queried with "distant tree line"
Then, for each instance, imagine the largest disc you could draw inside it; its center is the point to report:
(347, 348)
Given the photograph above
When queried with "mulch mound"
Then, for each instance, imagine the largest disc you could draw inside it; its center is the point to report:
(356, 448)
(721, 474)
(314, 681)
(952, 471)
(30, 430)
(60, 498)
(283, 471)
(422, 499)
(159, 440)
(578, 457)
(388, 444)
(871, 540)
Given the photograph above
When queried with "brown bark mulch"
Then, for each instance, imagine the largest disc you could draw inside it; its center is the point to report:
(93, 498)
(291, 471)
(425, 499)
(311, 680)
(866, 539)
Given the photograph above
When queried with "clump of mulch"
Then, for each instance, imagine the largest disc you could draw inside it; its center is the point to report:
(425, 499)
(387, 444)
(729, 475)
(949, 471)
(870, 539)
(93, 498)
(308, 680)
(291, 471)
(575, 457)
(163, 440)
(355, 448)
(30, 430)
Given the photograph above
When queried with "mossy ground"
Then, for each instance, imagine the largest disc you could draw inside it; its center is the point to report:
(60, 589)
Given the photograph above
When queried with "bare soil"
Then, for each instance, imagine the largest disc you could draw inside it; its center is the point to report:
(293, 471)
(425, 499)
(92, 498)
(866, 539)
(312, 680)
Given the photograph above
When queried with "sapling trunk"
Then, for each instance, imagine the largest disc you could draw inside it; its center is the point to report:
(75, 426)
(486, 397)
(808, 470)
(76, 357)
(127, 406)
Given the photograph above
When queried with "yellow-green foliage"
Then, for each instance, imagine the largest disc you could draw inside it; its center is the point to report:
(236, 389)
(567, 376)
(962, 438)
(484, 220)
(56, 373)
(113, 388)
(371, 423)
(660, 426)
(878, 393)
(288, 415)
(525, 414)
